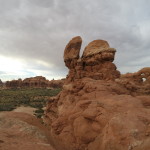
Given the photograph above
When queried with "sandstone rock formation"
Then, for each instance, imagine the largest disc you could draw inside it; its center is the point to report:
(95, 63)
(96, 110)
(35, 82)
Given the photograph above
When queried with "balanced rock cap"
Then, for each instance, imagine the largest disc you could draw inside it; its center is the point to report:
(72, 49)
(97, 46)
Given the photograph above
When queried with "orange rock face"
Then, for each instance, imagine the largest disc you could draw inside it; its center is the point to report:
(96, 110)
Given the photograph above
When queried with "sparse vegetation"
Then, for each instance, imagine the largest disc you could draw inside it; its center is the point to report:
(12, 98)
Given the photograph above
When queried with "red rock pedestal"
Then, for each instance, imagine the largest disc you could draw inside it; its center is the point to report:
(95, 63)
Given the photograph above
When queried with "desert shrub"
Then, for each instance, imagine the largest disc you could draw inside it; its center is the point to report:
(7, 107)
(36, 105)
(38, 115)
(39, 111)
(12, 98)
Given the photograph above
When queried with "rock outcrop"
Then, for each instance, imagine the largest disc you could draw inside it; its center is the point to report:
(95, 110)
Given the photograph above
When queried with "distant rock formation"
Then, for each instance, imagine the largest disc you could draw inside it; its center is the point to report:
(14, 83)
(1, 83)
(97, 110)
(35, 82)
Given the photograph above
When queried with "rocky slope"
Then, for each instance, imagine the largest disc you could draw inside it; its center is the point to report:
(21, 131)
(99, 109)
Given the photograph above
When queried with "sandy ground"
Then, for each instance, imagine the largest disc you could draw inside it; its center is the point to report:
(23, 131)
(28, 110)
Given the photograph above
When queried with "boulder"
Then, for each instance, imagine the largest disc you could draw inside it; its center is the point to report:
(96, 47)
(71, 52)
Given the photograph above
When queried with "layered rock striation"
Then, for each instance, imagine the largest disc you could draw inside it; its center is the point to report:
(96, 110)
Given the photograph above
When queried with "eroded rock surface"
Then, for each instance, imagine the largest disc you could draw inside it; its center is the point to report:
(96, 110)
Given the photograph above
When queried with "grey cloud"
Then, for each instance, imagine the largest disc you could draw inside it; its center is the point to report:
(43, 3)
(39, 29)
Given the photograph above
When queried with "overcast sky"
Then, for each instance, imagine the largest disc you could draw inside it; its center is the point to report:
(34, 33)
